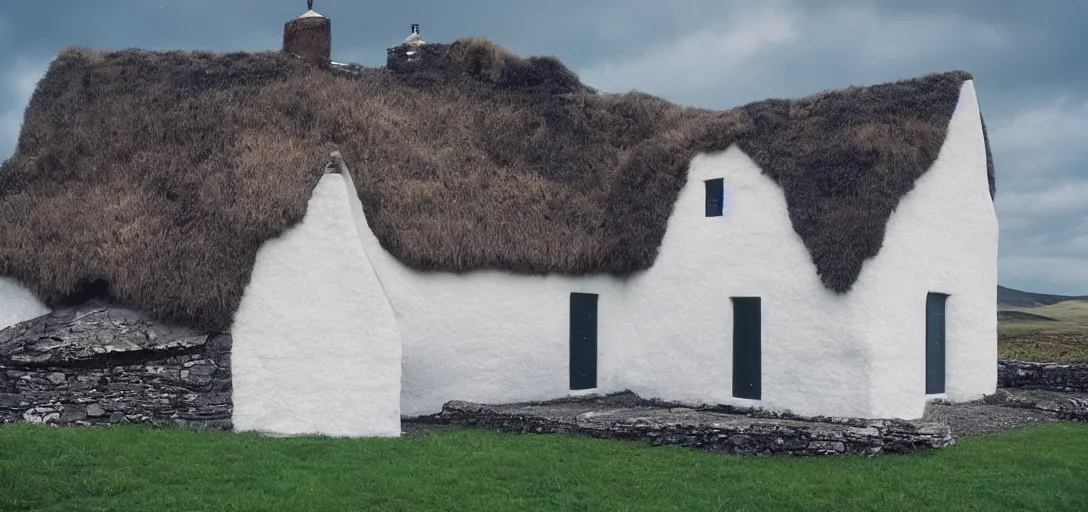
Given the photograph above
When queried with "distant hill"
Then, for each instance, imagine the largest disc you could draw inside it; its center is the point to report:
(1022, 316)
(1018, 299)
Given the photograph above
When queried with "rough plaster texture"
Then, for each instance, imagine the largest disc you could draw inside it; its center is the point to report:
(942, 238)
(17, 303)
(316, 348)
(484, 336)
(493, 337)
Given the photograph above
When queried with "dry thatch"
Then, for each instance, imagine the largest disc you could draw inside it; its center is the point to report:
(309, 38)
(154, 177)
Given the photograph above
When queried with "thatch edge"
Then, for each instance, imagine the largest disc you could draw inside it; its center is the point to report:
(80, 52)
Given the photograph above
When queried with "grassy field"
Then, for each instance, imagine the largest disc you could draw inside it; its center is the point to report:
(1057, 332)
(138, 469)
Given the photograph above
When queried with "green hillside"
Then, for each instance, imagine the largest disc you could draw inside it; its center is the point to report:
(1016, 298)
(1041, 327)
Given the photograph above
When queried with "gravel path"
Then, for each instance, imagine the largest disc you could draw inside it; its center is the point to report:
(981, 419)
(1009, 409)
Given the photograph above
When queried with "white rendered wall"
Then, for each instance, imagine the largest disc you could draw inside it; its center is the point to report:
(495, 337)
(813, 357)
(316, 348)
(666, 333)
(942, 238)
(485, 336)
(17, 303)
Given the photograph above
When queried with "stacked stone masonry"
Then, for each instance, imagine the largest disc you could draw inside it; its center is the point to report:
(1067, 406)
(1012, 373)
(98, 364)
(708, 430)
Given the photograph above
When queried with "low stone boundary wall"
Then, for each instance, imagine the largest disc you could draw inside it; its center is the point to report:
(703, 430)
(102, 365)
(1012, 373)
(1066, 406)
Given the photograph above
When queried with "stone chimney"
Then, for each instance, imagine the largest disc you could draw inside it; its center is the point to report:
(408, 51)
(309, 36)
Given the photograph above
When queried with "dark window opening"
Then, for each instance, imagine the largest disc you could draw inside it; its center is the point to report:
(715, 197)
(583, 341)
(97, 290)
(935, 342)
(747, 369)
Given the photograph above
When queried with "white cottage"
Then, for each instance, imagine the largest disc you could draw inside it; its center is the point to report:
(492, 230)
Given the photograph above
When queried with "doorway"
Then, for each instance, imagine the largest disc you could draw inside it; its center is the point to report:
(935, 342)
(583, 341)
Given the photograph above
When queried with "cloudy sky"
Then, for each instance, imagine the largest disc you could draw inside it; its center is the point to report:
(1027, 58)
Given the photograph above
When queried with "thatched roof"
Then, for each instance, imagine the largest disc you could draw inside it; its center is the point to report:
(156, 176)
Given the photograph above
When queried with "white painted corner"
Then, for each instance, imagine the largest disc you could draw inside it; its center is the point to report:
(18, 303)
(316, 348)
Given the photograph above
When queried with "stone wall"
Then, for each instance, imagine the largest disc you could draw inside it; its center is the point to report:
(98, 364)
(701, 429)
(1012, 373)
(1064, 405)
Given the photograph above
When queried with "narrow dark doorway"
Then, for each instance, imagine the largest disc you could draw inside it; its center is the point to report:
(583, 341)
(935, 342)
(747, 369)
(715, 197)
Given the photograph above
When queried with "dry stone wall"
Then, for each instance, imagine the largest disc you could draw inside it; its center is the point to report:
(1064, 405)
(621, 417)
(1012, 373)
(99, 364)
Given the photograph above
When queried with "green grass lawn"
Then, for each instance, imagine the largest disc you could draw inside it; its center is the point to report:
(140, 469)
